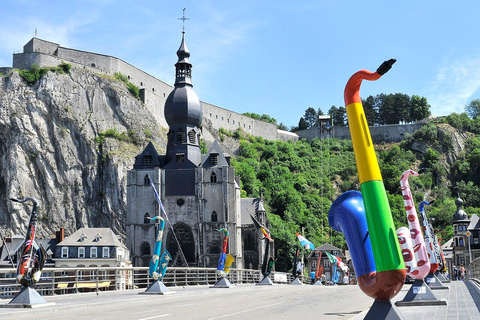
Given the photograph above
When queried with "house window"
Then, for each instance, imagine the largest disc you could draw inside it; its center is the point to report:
(475, 240)
(170, 137)
(64, 252)
(214, 216)
(461, 242)
(93, 252)
(213, 177)
(81, 275)
(106, 252)
(81, 252)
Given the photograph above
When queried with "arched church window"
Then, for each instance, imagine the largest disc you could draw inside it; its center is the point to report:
(214, 216)
(456, 242)
(146, 180)
(214, 247)
(170, 137)
(187, 242)
(141, 83)
(180, 135)
(249, 243)
(191, 136)
(145, 249)
(146, 218)
(213, 177)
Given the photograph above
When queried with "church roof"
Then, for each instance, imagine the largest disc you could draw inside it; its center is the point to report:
(148, 158)
(474, 223)
(84, 237)
(249, 206)
(214, 151)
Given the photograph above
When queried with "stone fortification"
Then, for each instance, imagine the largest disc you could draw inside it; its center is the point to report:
(152, 90)
(379, 134)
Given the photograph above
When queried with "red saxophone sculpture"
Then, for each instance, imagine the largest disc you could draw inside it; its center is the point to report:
(31, 261)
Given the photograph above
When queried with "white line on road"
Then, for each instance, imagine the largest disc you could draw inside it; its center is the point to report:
(234, 313)
(160, 316)
(186, 305)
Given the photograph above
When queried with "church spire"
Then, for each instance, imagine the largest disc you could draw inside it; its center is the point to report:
(183, 67)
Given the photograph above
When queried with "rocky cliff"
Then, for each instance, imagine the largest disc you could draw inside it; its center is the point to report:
(68, 141)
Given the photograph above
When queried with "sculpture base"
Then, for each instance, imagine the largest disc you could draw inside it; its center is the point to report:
(318, 283)
(265, 282)
(27, 298)
(297, 282)
(420, 295)
(434, 283)
(441, 277)
(383, 310)
(157, 288)
(222, 283)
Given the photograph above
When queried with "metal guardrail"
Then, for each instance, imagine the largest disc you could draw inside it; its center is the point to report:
(56, 281)
(473, 270)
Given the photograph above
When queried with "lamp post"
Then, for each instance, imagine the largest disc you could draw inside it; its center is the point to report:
(469, 250)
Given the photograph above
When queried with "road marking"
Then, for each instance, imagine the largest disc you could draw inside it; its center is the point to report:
(235, 313)
(186, 305)
(160, 316)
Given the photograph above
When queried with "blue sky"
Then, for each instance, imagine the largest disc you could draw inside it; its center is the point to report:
(274, 57)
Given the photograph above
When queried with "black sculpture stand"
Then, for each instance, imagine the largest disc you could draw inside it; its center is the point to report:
(28, 297)
(265, 282)
(222, 283)
(297, 282)
(420, 295)
(434, 283)
(384, 310)
(157, 288)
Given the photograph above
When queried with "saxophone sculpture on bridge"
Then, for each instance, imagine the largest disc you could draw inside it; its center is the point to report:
(365, 218)
(159, 263)
(225, 261)
(411, 239)
(31, 261)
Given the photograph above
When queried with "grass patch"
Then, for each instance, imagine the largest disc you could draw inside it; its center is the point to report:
(131, 87)
(32, 75)
(127, 136)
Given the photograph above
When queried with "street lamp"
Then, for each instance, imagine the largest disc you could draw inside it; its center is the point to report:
(469, 250)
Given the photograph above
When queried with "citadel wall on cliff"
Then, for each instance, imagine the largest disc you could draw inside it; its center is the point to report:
(153, 91)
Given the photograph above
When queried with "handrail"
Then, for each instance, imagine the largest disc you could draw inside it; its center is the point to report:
(473, 270)
(55, 281)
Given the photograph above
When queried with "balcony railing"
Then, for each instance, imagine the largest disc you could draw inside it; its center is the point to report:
(473, 270)
(74, 280)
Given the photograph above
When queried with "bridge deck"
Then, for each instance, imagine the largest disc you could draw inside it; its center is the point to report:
(243, 302)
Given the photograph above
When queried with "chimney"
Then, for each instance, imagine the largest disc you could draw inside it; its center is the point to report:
(60, 235)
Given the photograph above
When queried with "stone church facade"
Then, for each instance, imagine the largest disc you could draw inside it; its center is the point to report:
(199, 192)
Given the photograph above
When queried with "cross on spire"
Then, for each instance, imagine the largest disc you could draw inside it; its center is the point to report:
(183, 19)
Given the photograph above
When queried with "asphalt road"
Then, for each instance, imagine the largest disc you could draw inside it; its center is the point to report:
(202, 302)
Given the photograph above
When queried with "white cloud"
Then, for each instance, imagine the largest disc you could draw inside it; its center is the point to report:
(454, 86)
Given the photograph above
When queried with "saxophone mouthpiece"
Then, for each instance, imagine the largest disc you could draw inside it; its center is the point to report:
(385, 66)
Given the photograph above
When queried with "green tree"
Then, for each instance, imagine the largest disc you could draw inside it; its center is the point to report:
(419, 108)
(310, 117)
(370, 111)
(302, 124)
(473, 108)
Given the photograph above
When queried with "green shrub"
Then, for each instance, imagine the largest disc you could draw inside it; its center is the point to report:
(134, 90)
(120, 76)
(65, 67)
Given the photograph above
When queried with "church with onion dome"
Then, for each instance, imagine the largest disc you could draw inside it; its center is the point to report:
(200, 192)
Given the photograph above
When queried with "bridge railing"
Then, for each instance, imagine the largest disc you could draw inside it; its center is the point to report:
(473, 270)
(55, 281)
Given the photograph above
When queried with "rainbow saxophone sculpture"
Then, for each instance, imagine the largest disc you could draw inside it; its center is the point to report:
(365, 219)
(411, 239)
(159, 263)
(225, 261)
(31, 261)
